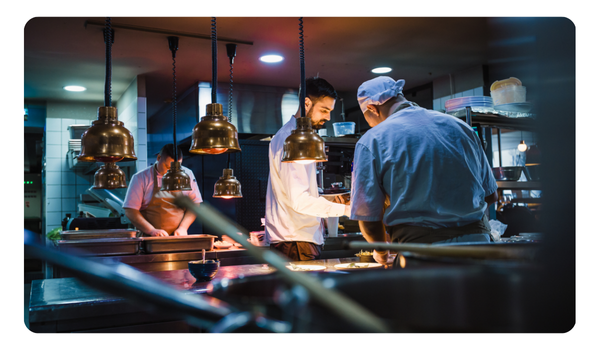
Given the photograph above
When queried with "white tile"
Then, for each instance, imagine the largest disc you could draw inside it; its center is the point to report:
(83, 122)
(53, 204)
(64, 148)
(69, 178)
(53, 191)
(141, 105)
(69, 205)
(141, 120)
(478, 91)
(53, 124)
(142, 137)
(53, 177)
(437, 105)
(65, 124)
(53, 164)
(142, 152)
(54, 151)
(53, 138)
(65, 136)
(53, 218)
(69, 191)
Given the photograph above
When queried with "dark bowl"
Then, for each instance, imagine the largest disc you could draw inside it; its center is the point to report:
(204, 271)
(507, 173)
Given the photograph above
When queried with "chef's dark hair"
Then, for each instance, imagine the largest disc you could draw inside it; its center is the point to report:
(318, 88)
(167, 150)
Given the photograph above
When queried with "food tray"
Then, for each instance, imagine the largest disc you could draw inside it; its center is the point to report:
(177, 243)
(96, 234)
(100, 246)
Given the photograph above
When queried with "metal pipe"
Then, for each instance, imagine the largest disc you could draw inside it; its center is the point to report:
(466, 251)
(337, 302)
(499, 148)
(167, 32)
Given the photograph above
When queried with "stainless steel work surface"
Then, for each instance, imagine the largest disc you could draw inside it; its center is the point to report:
(177, 243)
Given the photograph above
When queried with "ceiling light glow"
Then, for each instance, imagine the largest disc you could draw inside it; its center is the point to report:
(74, 88)
(271, 58)
(381, 70)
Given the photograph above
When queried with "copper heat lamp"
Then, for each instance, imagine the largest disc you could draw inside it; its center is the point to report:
(214, 134)
(304, 145)
(175, 179)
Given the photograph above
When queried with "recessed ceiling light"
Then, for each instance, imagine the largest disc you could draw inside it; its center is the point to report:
(271, 58)
(74, 88)
(381, 70)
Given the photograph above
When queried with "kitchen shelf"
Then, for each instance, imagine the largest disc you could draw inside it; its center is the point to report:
(488, 117)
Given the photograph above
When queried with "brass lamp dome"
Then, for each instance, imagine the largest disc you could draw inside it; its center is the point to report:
(107, 140)
(214, 134)
(176, 179)
(109, 176)
(304, 145)
(228, 186)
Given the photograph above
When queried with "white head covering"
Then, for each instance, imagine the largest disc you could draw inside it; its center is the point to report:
(377, 91)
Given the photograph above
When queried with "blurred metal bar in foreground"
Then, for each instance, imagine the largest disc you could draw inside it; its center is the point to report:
(330, 298)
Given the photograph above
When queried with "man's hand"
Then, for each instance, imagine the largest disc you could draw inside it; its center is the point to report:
(381, 256)
(158, 233)
(342, 199)
(180, 232)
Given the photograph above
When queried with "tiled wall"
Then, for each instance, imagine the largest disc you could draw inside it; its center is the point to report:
(439, 103)
(62, 185)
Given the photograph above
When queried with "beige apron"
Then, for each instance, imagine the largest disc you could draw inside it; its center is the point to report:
(162, 212)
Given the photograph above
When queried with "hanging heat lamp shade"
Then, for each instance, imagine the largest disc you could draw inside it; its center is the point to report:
(304, 145)
(214, 134)
(109, 176)
(228, 186)
(175, 179)
(107, 140)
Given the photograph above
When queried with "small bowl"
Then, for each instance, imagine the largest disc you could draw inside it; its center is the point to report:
(204, 271)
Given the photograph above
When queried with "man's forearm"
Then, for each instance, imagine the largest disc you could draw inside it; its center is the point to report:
(373, 231)
(187, 220)
(138, 220)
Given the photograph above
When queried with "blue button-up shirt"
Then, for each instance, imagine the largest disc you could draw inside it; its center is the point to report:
(431, 166)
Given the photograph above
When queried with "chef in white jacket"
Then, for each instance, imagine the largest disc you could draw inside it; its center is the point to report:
(294, 210)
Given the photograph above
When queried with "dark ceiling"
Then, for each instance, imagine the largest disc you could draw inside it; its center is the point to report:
(343, 50)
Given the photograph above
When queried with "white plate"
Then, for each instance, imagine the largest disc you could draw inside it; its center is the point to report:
(522, 107)
(358, 266)
(300, 267)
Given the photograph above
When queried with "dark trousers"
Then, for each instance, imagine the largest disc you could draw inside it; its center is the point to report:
(298, 251)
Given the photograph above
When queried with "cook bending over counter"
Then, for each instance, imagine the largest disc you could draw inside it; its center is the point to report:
(420, 173)
(153, 211)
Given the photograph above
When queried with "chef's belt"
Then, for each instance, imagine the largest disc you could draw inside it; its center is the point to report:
(418, 234)
(162, 212)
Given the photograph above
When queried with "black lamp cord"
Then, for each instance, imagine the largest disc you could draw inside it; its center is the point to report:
(173, 45)
(302, 74)
(231, 54)
(214, 60)
(108, 40)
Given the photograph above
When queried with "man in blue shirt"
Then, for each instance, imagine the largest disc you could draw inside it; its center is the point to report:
(419, 173)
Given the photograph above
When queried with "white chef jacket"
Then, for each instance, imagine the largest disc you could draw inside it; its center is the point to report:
(294, 208)
(139, 191)
(430, 164)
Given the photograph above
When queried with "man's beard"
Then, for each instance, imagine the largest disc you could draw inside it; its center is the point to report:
(318, 125)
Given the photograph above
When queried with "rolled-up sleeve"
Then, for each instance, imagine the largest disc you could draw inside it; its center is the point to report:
(368, 197)
(194, 194)
(488, 181)
(135, 193)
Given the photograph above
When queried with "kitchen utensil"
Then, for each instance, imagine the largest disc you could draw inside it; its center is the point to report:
(94, 234)
(332, 226)
(509, 94)
(507, 173)
(222, 245)
(522, 107)
(532, 172)
(204, 270)
(100, 246)
(177, 243)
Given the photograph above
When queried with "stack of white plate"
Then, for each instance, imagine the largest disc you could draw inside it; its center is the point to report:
(468, 101)
(75, 145)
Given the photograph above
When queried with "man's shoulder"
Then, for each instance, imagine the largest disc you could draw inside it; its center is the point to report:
(143, 174)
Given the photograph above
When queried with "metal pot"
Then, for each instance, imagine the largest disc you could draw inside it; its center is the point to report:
(507, 173)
